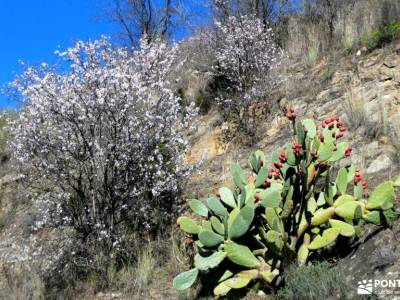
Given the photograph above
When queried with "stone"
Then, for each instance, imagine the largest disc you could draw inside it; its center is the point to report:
(381, 163)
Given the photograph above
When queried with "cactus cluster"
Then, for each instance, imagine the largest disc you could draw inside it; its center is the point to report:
(294, 211)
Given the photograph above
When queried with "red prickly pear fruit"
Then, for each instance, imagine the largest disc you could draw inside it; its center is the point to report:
(283, 158)
(266, 184)
(348, 152)
(357, 180)
(342, 129)
(364, 185)
(291, 116)
(217, 194)
(339, 135)
(257, 197)
(314, 154)
(278, 165)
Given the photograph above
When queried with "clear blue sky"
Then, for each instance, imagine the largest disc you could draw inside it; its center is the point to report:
(31, 31)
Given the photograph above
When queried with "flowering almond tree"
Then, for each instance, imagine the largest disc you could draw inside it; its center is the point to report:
(246, 56)
(103, 141)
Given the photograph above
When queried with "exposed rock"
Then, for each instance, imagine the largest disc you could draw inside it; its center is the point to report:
(376, 258)
(381, 163)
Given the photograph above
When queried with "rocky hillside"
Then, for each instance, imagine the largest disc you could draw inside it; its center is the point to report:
(363, 89)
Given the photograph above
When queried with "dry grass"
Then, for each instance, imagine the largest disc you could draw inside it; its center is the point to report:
(18, 281)
(354, 108)
(395, 140)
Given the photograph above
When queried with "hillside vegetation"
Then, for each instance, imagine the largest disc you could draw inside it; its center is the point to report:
(245, 162)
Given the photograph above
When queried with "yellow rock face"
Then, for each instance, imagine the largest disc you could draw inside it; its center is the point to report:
(207, 147)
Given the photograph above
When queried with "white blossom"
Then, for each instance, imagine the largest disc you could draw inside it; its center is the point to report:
(103, 139)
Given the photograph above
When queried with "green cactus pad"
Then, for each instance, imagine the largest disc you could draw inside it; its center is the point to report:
(227, 274)
(270, 197)
(312, 205)
(373, 217)
(396, 183)
(208, 260)
(325, 151)
(339, 153)
(270, 215)
(347, 210)
(343, 199)
(291, 158)
(321, 199)
(358, 191)
(351, 171)
(322, 216)
(300, 133)
(188, 225)
(344, 228)
(206, 225)
(262, 176)
(382, 196)
(217, 225)
(256, 159)
(327, 133)
(328, 237)
(302, 253)
(227, 196)
(216, 207)
(341, 181)
(251, 274)
(315, 230)
(237, 282)
(185, 280)
(221, 290)
(241, 255)
(302, 226)
(268, 275)
(198, 207)
(389, 216)
(287, 208)
(210, 239)
(309, 125)
(241, 223)
(275, 241)
(238, 176)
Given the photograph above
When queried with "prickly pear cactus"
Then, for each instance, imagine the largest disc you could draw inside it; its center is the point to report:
(293, 211)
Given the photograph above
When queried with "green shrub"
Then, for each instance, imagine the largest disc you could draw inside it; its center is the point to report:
(375, 38)
(314, 282)
(294, 212)
(312, 55)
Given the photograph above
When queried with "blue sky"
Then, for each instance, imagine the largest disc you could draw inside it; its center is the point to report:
(31, 31)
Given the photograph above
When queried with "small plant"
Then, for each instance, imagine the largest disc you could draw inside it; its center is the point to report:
(314, 282)
(349, 39)
(293, 212)
(312, 55)
(375, 37)
(356, 115)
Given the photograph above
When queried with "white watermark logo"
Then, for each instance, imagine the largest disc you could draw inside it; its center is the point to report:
(378, 287)
(365, 287)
